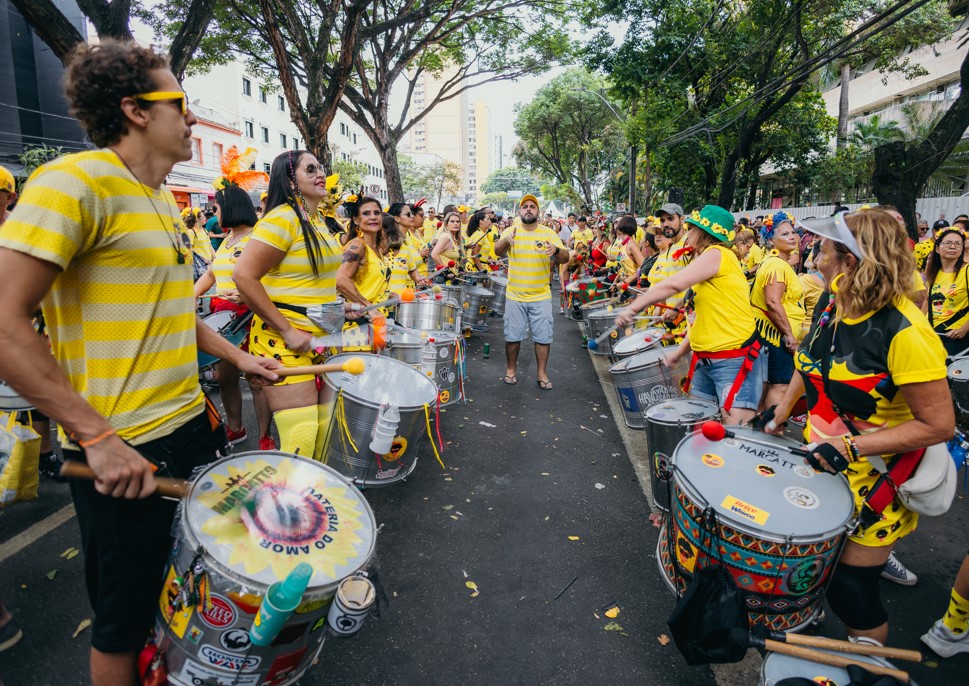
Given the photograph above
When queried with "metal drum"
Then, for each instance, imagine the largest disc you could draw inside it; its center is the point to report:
(779, 530)
(354, 403)
(432, 313)
(330, 317)
(666, 424)
(596, 320)
(232, 328)
(777, 667)
(10, 401)
(643, 380)
(481, 279)
(247, 522)
(499, 285)
(475, 304)
(405, 345)
(640, 340)
(439, 355)
(958, 374)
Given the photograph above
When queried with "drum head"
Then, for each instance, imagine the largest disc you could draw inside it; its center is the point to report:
(477, 290)
(644, 359)
(10, 401)
(638, 340)
(259, 514)
(778, 667)
(404, 337)
(218, 320)
(385, 380)
(503, 281)
(959, 370)
(760, 487)
(681, 410)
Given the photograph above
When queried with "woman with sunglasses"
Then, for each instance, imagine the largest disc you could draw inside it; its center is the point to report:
(947, 278)
(449, 246)
(402, 260)
(290, 264)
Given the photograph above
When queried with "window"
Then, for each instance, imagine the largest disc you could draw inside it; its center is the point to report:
(343, 129)
(217, 152)
(246, 86)
(249, 130)
(197, 151)
(281, 103)
(266, 167)
(354, 139)
(295, 143)
(264, 130)
(282, 140)
(262, 95)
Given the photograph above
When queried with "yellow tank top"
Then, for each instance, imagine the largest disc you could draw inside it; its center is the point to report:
(369, 277)
(627, 266)
(452, 252)
(724, 320)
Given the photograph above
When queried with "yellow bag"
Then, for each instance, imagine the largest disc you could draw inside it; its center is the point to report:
(19, 460)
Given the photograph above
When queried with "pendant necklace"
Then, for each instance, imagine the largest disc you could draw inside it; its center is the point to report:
(173, 237)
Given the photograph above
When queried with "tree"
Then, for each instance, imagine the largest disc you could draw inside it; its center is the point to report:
(34, 156)
(352, 173)
(874, 132)
(511, 179)
(499, 201)
(435, 181)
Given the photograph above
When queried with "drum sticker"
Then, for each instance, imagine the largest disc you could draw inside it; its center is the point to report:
(804, 471)
(483, 309)
(801, 497)
(195, 635)
(445, 396)
(397, 449)
(197, 673)
(685, 552)
(661, 466)
(284, 667)
(443, 353)
(176, 617)
(711, 460)
(225, 660)
(271, 518)
(804, 576)
(745, 510)
(219, 614)
(764, 470)
(629, 400)
(247, 602)
(312, 606)
(320, 623)
(614, 334)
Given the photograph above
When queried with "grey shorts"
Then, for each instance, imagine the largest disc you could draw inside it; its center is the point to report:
(537, 316)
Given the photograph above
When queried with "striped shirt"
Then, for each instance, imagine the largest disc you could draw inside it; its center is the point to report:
(291, 281)
(225, 262)
(399, 266)
(528, 264)
(120, 315)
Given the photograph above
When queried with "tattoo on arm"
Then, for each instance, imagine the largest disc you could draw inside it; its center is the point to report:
(352, 253)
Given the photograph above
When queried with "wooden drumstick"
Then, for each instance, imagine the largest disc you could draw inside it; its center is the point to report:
(355, 365)
(173, 488)
(847, 646)
(833, 660)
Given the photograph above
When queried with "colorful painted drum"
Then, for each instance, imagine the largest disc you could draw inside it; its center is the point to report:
(958, 374)
(353, 403)
(499, 286)
(643, 380)
(667, 423)
(588, 290)
(638, 341)
(10, 401)
(777, 667)
(231, 327)
(780, 525)
(432, 313)
(247, 522)
(475, 305)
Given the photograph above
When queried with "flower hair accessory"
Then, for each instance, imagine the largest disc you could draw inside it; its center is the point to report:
(950, 229)
(332, 199)
(716, 221)
(236, 171)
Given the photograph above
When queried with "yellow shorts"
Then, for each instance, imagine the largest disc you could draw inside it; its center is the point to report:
(897, 520)
(265, 341)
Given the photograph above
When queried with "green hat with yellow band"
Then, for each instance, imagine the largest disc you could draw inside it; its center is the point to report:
(716, 221)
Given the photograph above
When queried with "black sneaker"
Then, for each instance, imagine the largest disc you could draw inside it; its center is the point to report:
(50, 466)
(10, 635)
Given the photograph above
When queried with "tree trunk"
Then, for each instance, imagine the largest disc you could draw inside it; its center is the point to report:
(633, 152)
(50, 25)
(584, 176)
(395, 187)
(190, 35)
(843, 106)
(752, 193)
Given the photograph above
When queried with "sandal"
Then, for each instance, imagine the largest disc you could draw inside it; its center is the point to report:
(544, 385)
(511, 380)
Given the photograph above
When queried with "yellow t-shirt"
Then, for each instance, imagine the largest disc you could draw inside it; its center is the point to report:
(754, 257)
(201, 243)
(627, 267)
(291, 281)
(922, 251)
(225, 262)
(612, 253)
(585, 237)
(398, 267)
(417, 243)
(812, 287)
(665, 266)
(724, 320)
(776, 269)
(120, 314)
(453, 250)
(528, 263)
(487, 245)
(949, 300)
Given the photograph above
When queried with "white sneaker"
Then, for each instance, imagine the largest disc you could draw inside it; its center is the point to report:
(945, 643)
(865, 641)
(895, 571)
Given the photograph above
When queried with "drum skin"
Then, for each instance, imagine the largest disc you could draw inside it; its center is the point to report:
(444, 369)
(778, 667)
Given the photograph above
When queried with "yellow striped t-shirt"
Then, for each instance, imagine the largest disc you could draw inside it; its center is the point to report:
(528, 265)
(120, 315)
(291, 281)
(225, 262)
(399, 266)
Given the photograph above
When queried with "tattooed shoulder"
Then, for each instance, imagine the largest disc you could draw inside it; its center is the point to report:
(352, 253)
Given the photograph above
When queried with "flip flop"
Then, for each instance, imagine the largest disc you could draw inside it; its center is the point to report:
(544, 385)
(511, 380)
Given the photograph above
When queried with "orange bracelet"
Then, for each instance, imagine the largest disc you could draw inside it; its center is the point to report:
(97, 439)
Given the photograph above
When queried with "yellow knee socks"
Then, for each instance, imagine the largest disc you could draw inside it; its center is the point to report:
(956, 617)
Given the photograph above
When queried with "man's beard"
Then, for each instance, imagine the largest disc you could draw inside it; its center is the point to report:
(528, 218)
(669, 232)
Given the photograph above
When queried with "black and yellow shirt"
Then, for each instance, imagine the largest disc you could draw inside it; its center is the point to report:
(949, 300)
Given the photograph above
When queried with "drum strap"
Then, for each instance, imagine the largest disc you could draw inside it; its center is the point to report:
(750, 352)
(291, 308)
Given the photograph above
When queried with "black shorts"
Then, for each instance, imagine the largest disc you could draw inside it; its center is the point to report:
(126, 542)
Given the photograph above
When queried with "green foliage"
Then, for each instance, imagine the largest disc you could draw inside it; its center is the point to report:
(511, 179)
(437, 181)
(499, 201)
(352, 173)
(35, 156)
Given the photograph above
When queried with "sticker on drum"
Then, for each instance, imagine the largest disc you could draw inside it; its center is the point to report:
(801, 497)
(711, 460)
(661, 466)
(804, 471)
(765, 470)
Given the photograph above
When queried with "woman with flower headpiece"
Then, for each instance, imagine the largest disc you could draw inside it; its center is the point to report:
(290, 265)
(778, 305)
(947, 279)
(723, 337)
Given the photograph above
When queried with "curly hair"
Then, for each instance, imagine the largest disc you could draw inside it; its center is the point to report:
(99, 76)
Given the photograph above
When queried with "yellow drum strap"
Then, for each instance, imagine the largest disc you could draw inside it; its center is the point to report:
(430, 436)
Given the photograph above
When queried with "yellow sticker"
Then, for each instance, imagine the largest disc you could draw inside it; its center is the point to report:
(745, 510)
(465, 305)
(176, 617)
(445, 396)
(685, 553)
(765, 470)
(614, 334)
(573, 538)
(397, 449)
(711, 460)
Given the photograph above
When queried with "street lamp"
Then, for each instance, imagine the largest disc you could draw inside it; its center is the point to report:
(632, 148)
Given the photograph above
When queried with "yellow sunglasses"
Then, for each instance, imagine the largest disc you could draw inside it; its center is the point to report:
(164, 96)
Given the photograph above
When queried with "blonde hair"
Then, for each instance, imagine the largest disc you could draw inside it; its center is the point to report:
(885, 274)
(705, 240)
(743, 235)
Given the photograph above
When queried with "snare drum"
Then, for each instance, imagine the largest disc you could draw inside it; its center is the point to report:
(958, 375)
(428, 314)
(231, 327)
(667, 423)
(475, 305)
(640, 340)
(778, 667)
(499, 286)
(643, 380)
(10, 401)
(780, 525)
(247, 521)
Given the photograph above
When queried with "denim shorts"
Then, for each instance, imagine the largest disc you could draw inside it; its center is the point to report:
(780, 364)
(535, 315)
(713, 379)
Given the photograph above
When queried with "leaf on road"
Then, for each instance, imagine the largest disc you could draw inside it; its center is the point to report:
(663, 639)
(612, 626)
(474, 587)
(447, 507)
(85, 623)
(51, 574)
(612, 612)
(70, 553)
(573, 538)
(455, 517)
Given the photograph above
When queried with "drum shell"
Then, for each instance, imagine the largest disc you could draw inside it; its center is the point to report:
(480, 279)
(356, 415)
(666, 424)
(405, 346)
(444, 370)
(597, 317)
(958, 378)
(777, 667)
(627, 346)
(475, 305)
(191, 646)
(224, 324)
(428, 314)
(10, 401)
(641, 381)
(499, 286)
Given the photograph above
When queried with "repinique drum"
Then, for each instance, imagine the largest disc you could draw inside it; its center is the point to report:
(10, 401)
(643, 380)
(231, 327)
(442, 361)
(480, 279)
(597, 320)
(354, 402)
(475, 305)
(780, 526)
(588, 290)
(499, 286)
(777, 667)
(667, 423)
(638, 341)
(431, 313)
(958, 374)
(405, 345)
(247, 522)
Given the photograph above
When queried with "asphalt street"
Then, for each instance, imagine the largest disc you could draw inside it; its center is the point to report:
(539, 506)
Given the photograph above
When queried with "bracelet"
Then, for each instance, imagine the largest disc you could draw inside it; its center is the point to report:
(851, 447)
(97, 439)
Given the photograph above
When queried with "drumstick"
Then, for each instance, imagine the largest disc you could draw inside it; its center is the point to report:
(847, 646)
(593, 345)
(173, 488)
(406, 296)
(355, 365)
(449, 265)
(715, 431)
(829, 659)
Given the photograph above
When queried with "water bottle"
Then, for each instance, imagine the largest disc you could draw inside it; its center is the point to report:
(429, 358)
(280, 601)
(958, 447)
(388, 418)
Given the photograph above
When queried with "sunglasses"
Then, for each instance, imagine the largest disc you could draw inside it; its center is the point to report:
(165, 96)
(313, 169)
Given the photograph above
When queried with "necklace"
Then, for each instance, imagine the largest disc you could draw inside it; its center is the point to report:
(238, 238)
(173, 237)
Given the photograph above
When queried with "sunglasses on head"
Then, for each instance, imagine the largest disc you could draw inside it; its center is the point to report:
(165, 96)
